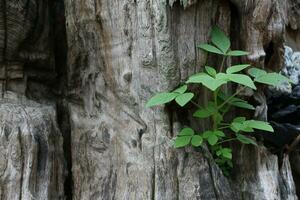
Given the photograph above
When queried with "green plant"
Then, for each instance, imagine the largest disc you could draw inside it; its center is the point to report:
(221, 131)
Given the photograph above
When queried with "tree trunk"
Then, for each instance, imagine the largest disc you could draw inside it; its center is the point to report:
(114, 57)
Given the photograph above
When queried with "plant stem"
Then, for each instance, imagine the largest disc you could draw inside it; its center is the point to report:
(215, 124)
(225, 124)
(196, 104)
(231, 97)
(222, 65)
(231, 139)
(224, 127)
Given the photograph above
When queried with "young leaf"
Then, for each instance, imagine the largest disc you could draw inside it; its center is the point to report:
(218, 153)
(236, 68)
(212, 139)
(239, 119)
(196, 140)
(245, 140)
(181, 89)
(227, 153)
(219, 118)
(206, 80)
(261, 125)
(206, 134)
(237, 53)
(182, 141)
(255, 72)
(242, 104)
(210, 48)
(236, 102)
(211, 71)
(161, 98)
(273, 79)
(242, 79)
(220, 40)
(183, 99)
(241, 126)
(219, 133)
(186, 132)
(199, 78)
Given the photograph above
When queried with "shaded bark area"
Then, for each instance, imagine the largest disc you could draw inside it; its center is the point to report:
(31, 63)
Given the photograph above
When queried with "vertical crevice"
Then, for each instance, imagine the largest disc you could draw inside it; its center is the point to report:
(22, 165)
(269, 49)
(60, 54)
(4, 8)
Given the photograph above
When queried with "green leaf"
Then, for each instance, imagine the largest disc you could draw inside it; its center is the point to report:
(273, 79)
(255, 72)
(242, 104)
(206, 134)
(181, 89)
(218, 153)
(261, 125)
(199, 78)
(219, 133)
(186, 132)
(205, 112)
(240, 126)
(182, 141)
(220, 40)
(226, 153)
(206, 80)
(245, 140)
(196, 140)
(210, 48)
(161, 98)
(183, 99)
(236, 68)
(219, 118)
(236, 101)
(242, 79)
(237, 53)
(239, 119)
(211, 71)
(212, 139)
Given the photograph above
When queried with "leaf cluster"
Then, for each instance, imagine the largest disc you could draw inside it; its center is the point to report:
(221, 131)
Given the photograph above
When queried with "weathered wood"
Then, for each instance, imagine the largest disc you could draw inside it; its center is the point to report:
(120, 54)
(31, 154)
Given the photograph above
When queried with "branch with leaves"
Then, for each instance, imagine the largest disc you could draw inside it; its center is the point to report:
(220, 132)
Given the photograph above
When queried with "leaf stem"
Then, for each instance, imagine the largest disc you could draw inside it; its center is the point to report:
(231, 97)
(231, 139)
(195, 104)
(223, 62)
(215, 124)
(224, 127)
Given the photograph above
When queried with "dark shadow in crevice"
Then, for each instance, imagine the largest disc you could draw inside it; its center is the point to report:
(60, 54)
(269, 50)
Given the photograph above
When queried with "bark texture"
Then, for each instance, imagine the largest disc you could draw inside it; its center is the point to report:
(31, 154)
(120, 54)
(92, 93)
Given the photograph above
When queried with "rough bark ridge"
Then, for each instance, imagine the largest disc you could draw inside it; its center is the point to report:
(32, 163)
(32, 158)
